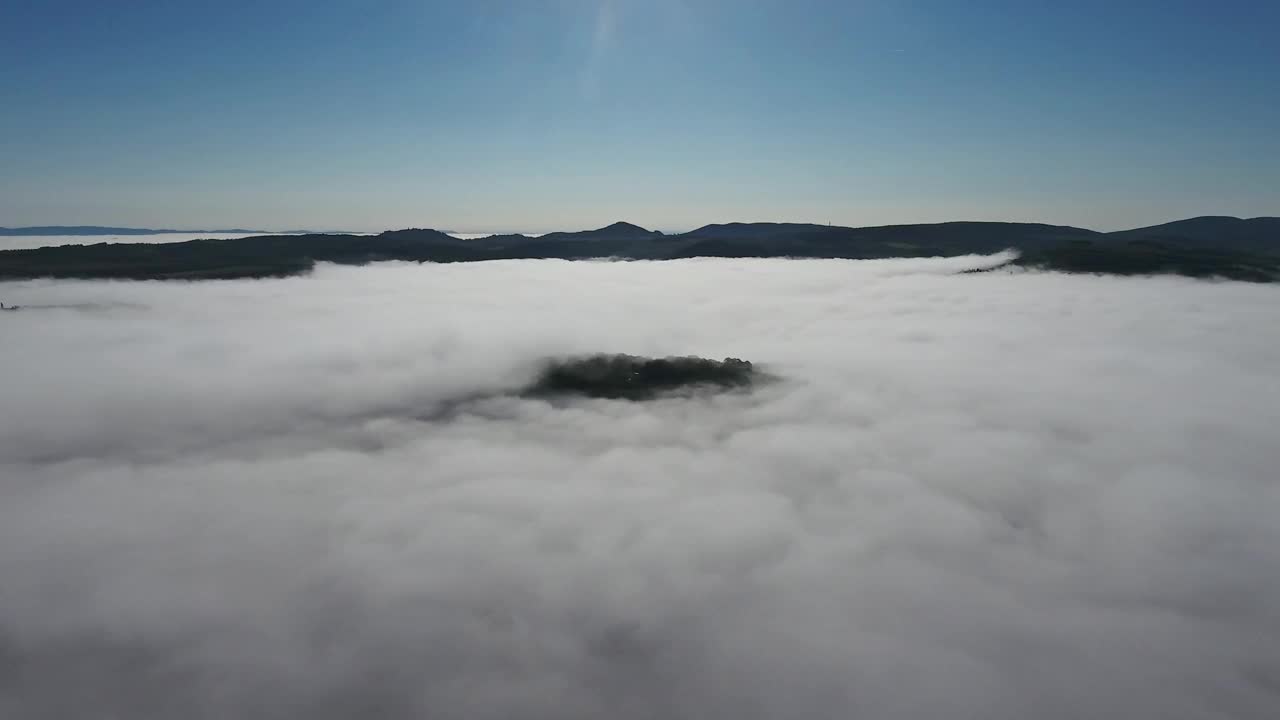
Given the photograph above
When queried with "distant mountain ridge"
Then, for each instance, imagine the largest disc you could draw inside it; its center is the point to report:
(1200, 247)
(1236, 233)
(616, 231)
(37, 230)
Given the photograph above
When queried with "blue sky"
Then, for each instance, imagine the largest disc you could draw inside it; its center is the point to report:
(490, 115)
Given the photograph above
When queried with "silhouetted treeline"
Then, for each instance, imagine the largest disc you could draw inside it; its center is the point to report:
(1200, 247)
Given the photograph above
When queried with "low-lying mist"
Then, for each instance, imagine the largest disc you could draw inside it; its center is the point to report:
(1001, 495)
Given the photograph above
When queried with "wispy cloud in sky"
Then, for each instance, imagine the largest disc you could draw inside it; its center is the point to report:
(602, 38)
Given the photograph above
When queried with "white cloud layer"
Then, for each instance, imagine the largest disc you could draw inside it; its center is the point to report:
(996, 496)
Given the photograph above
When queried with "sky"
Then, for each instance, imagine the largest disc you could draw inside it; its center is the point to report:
(534, 115)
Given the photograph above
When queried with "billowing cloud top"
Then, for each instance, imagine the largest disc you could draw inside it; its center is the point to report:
(1000, 495)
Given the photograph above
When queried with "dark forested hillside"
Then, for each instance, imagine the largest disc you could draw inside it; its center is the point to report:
(1200, 247)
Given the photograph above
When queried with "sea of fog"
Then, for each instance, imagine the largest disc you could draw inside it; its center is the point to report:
(993, 496)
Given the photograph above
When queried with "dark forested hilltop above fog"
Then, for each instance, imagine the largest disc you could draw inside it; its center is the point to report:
(1200, 247)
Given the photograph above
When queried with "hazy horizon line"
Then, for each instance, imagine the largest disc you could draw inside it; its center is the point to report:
(236, 229)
